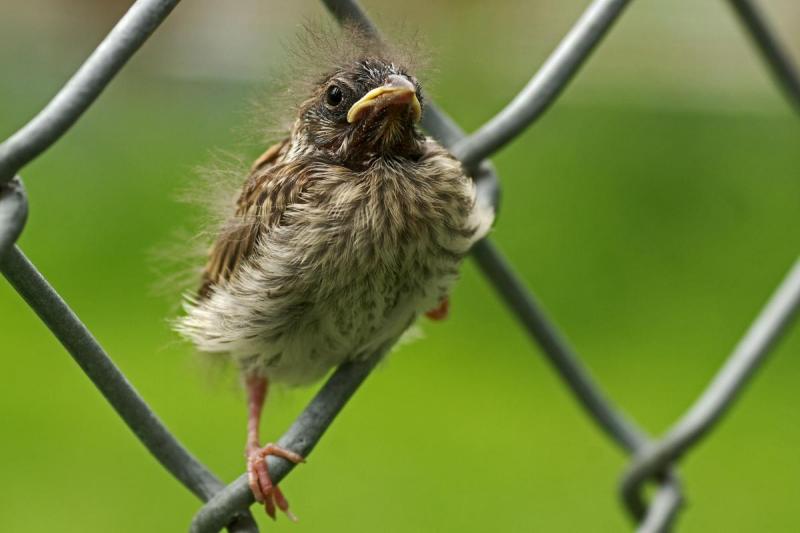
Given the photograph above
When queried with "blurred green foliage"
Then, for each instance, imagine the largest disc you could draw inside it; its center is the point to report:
(652, 234)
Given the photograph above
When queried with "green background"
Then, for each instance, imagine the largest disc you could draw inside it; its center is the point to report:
(652, 217)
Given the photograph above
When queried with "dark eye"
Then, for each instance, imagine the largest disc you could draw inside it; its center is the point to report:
(333, 96)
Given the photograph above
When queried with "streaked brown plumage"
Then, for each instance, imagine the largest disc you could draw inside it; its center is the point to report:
(343, 234)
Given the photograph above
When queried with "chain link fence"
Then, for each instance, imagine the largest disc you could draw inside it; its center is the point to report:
(654, 460)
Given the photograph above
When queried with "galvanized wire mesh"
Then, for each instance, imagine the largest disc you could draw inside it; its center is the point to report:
(653, 459)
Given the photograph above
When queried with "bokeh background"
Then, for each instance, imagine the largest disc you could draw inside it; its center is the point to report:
(652, 210)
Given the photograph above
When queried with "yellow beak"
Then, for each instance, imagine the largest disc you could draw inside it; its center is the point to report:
(397, 91)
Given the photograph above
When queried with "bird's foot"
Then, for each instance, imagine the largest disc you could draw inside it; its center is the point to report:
(441, 312)
(264, 491)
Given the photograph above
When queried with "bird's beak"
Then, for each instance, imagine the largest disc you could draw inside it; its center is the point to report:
(396, 91)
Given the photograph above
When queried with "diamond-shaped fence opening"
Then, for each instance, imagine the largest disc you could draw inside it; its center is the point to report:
(653, 459)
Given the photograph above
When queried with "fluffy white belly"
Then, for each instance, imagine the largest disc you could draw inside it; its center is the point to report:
(346, 271)
(296, 336)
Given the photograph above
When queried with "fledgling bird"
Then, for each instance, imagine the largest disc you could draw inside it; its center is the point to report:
(343, 234)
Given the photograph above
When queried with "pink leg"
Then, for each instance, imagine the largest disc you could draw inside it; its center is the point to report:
(258, 475)
(441, 312)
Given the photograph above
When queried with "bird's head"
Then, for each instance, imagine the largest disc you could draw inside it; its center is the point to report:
(366, 109)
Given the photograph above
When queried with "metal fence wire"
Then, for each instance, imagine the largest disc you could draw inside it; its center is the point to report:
(653, 461)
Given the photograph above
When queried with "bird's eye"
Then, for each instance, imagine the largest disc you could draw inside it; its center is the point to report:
(334, 96)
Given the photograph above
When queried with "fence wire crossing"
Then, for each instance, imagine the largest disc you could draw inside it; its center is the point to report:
(653, 459)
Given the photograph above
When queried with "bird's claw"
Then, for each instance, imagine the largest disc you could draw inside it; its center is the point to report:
(264, 491)
(441, 311)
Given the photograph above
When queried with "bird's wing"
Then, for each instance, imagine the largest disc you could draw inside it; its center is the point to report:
(268, 158)
(241, 232)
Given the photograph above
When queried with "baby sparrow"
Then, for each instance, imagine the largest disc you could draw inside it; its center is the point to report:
(343, 234)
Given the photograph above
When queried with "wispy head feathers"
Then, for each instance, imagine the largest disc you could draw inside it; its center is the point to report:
(315, 53)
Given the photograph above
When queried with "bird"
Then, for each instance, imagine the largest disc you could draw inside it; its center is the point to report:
(343, 234)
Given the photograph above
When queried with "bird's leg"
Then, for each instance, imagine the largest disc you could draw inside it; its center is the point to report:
(441, 312)
(263, 489)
